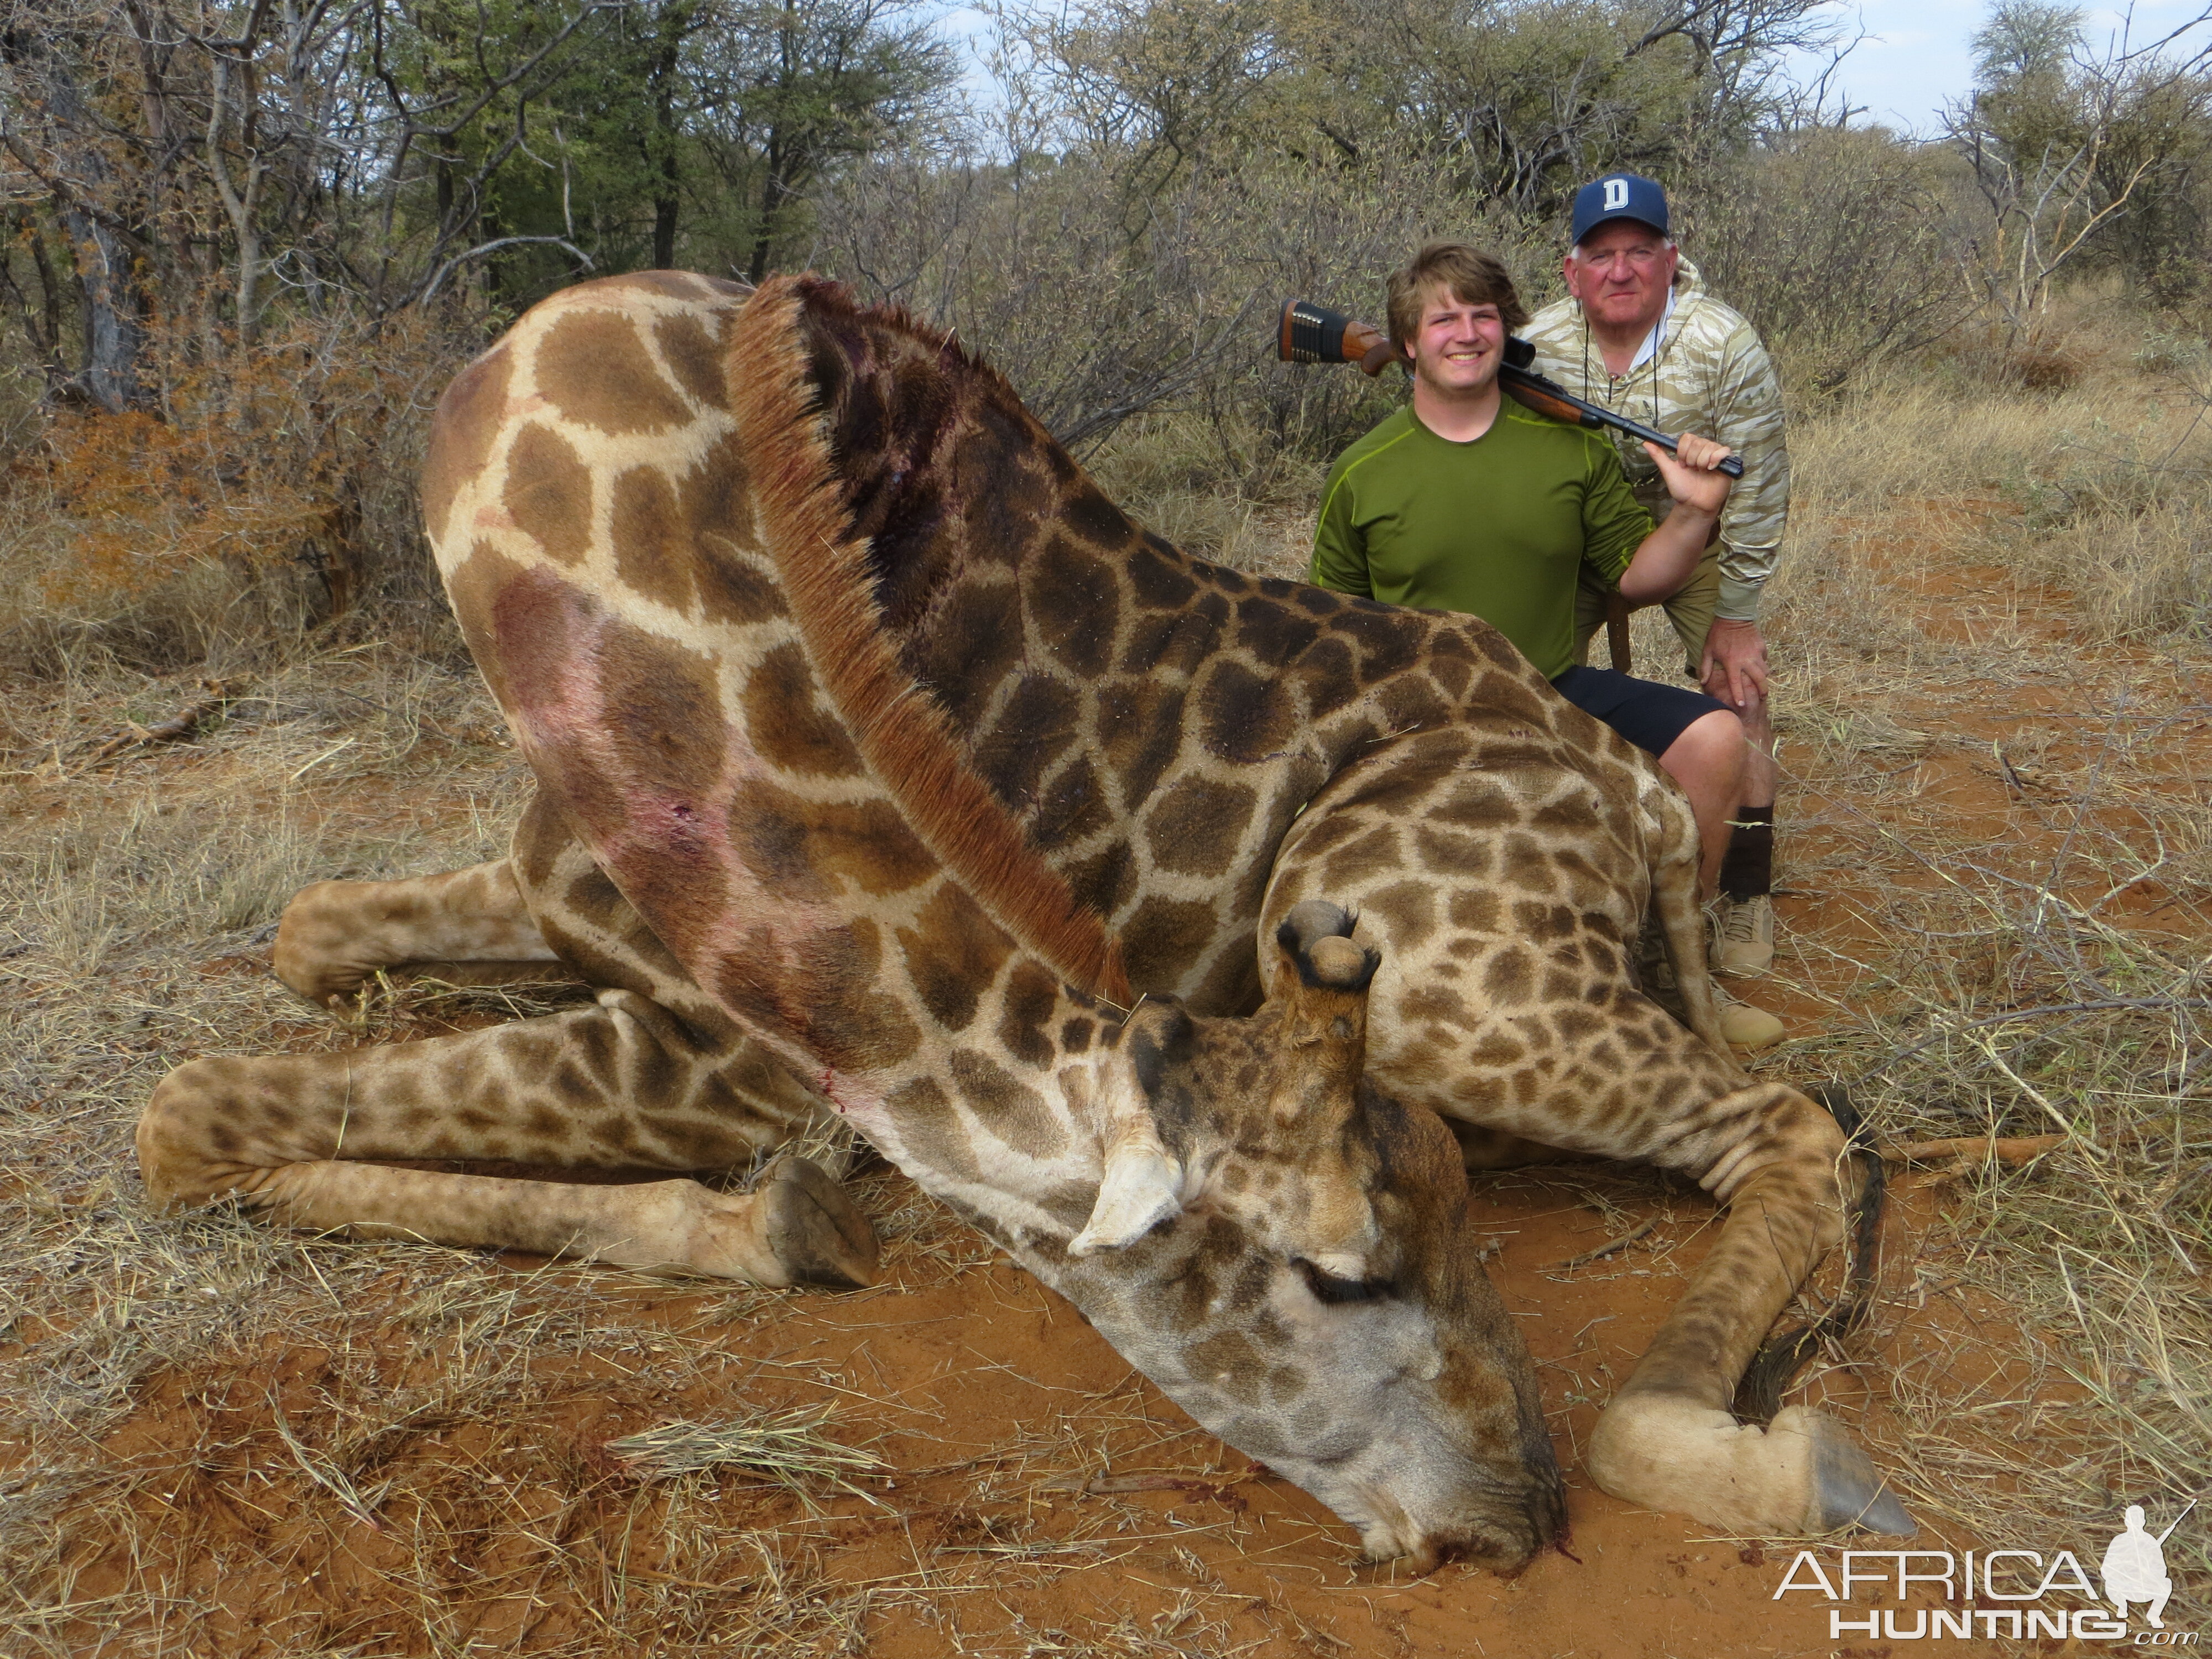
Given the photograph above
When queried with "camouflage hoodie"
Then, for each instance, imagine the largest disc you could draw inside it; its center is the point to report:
(1711, 375)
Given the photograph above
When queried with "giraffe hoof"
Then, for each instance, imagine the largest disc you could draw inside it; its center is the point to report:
(1804, 1473)
(817, 1235)
(1847, 1488)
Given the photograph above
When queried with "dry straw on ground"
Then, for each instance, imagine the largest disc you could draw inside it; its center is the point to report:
(1999, 749)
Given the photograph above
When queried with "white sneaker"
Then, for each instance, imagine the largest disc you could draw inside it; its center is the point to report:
(1743, 941)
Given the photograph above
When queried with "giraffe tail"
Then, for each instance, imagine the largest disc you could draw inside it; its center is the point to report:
(1780, 1358)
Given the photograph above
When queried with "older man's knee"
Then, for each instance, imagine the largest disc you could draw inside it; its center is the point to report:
(1710, 746)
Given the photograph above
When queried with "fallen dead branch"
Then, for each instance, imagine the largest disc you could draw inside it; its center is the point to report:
(178, 727)
(1609, 1248)
(2004, 1149)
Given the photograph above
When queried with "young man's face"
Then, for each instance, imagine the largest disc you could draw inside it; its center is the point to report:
(1458, 345)
(1622, 273)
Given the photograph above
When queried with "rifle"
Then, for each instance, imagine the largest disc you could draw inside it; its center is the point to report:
(1309, 333)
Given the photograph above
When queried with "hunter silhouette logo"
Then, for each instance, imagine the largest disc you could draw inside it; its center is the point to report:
(2135, 1566)
(1616, 195)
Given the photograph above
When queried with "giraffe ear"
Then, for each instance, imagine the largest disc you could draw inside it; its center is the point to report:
(1142, 1184)
(1143, 1187)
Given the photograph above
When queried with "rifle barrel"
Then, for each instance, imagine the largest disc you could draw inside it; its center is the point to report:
(1595, 415)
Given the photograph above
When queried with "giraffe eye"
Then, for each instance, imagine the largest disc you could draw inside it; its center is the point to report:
(1327, 1288)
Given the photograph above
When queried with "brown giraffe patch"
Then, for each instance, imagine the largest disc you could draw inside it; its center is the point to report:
(593, 366)
(930, 1123)
(1245, 717)
(1031, 996)
(1037, 725)
(848, 1018)
(652, 542)
(795, 845)
(470, 415)
(952, 956)
(1510, 978)
(1163, 937)
(734, 589)
(1071, 807)
(1271, 628)
(788, 722)
(1198, 824)
(1468, 856)
(976, 641)
(1105, 880)
(1006, 1107)
(1075, 605)
(716, 498)
(663, 711)
(1142, 721)
(548, 493)
(694, 356)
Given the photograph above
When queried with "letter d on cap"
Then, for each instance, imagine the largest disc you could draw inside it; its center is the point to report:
(1616, 195)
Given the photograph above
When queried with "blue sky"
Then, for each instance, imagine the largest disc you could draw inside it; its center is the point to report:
(1916, 57)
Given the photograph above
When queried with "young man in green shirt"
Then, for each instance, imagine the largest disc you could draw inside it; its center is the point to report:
(1466, 501)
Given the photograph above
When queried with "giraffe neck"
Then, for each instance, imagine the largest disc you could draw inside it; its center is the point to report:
(758, 774)
(1152, 721)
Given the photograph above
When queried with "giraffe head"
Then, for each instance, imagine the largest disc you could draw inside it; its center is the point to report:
(1286, 1252)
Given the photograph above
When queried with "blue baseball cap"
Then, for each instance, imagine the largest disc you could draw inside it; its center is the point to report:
(1620, 196)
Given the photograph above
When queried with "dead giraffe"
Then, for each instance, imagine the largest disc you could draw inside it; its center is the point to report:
(1188, 753)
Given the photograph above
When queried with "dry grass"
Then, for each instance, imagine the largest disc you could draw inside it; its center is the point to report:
(2000, 753)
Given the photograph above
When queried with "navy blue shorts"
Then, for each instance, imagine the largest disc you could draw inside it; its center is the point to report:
(1649, 714)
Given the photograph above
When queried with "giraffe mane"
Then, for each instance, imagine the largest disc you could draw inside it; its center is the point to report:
(906, 739)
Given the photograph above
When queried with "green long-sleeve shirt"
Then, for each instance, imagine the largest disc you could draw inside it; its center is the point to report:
(1496, 528)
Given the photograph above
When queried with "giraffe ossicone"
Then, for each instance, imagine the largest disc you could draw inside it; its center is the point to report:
(883, 765)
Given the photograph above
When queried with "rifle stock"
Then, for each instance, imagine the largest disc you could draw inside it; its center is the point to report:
(1313, 334)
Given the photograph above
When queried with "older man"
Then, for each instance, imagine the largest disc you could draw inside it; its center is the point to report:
(1639, 334)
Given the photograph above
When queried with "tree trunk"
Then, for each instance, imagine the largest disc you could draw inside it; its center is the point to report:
(89, 203)
(667, 169)
(113, 336)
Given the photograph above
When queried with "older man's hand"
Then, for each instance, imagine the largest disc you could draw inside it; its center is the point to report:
(1734, 667)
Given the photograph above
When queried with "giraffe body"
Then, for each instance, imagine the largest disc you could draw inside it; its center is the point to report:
(881, 760)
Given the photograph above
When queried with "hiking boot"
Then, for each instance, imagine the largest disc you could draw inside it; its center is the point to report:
(1743, 943)
(1744, 1026)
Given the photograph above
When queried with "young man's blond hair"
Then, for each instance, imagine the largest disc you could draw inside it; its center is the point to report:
(1467, 274)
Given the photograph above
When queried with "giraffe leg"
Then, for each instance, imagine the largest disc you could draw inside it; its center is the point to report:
(1682, 919)
(1495, 1149)
(470, 926)
(622, 1084)
(1667, 1440)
